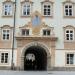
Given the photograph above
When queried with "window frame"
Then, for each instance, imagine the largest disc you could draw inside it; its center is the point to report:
(51, 8)
(69, 35)
(6, 34)
(68, 59)
(25, 32)
(68, 9)
(4, 59)
(22, 8)
(12, 7)
(73, 9)
(46, 32)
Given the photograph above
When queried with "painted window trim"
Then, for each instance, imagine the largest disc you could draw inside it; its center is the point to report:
(3, 9)
(73, 9)
(30, 32)
(22, 5)
(42, 9)
(8, 57)
(66, 59)
(41, 32)
(73, 35)
(68, 9)
(9, 35)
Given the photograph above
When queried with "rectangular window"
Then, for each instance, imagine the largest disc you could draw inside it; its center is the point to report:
(6, 34)
(25, 32)
(68, 10)
(4, 57)
(70, 59)
(47, 10)
(69, 35)
(26, 10)
(7, 9)
(46, 32)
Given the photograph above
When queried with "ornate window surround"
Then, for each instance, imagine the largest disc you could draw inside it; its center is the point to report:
(25, 27)
(6, 27)
(46, 31)
(69, 27)
(47, 2)
(11, 3)
(27, 2)
(46, 27)
(69, 2)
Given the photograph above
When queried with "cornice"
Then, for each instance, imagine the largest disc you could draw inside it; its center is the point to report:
(47, 1)
(68, 1)
(36, 38)
(8, 1)
(6, 26)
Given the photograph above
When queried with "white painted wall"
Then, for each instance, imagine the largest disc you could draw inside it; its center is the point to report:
(60, 58)
(9, 51)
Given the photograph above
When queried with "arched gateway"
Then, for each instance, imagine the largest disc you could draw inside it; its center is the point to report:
(35, 56)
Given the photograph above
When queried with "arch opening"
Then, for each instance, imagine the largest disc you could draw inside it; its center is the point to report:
(35, 58)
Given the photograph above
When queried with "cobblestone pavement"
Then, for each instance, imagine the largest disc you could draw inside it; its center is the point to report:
(3, 72)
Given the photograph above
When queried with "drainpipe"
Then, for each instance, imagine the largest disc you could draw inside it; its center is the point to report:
(13, 38)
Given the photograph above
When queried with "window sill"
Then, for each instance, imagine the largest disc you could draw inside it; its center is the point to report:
(73, 41)
(47, 16)
(69, 16)
(4, 64)
(70, 65)
(7, 16)
(26, 16)
(6, 40)
(46, 35)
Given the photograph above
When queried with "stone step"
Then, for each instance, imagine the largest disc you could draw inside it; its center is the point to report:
(63, 69)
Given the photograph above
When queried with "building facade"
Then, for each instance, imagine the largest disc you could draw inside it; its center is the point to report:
(37, 34)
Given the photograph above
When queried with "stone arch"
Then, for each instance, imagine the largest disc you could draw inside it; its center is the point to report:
(35, 44)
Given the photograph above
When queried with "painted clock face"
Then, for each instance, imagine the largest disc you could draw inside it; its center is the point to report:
(36, 21)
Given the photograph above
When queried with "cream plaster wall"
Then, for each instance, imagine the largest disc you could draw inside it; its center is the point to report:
(60, 58)
(9, 51)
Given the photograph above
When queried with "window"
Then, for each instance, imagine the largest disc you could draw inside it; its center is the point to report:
(69, 34)
(26, 9)
(25, 32)
(4, 57)
(47, 8)
(6, 34)
(68, 10)
(70, 59)
(46, 32)
(7, 9)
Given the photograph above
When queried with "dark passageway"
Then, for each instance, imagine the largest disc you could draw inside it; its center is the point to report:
(35, 58)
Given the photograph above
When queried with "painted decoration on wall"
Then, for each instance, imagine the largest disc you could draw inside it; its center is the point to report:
(36, 21)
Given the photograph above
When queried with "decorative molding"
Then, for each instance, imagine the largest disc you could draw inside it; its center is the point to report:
(10, 1)
(6, 26)
(22, 2)
(69, 26)
(68, 1)
(47, 1)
